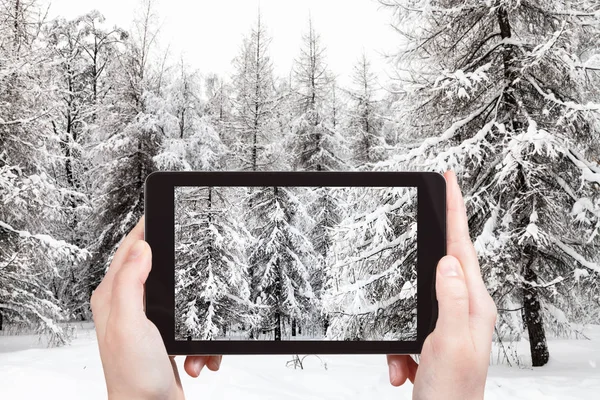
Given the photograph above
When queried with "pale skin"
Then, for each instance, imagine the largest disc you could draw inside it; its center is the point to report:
(453, 363)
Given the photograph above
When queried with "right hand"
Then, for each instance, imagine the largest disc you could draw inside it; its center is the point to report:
(455, 356)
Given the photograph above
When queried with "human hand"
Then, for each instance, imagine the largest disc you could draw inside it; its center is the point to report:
(455, 356)
(135, 362)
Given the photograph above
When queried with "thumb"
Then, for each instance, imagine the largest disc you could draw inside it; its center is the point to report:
(453, 300)
(127, 300)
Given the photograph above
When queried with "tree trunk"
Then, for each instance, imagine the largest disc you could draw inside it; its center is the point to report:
(0, 320)
(533, 317)
(293, 326)
(278, 326)
(278, 291)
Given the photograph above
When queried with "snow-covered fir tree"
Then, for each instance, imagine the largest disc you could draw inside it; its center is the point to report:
(211, 283)
(281, 256)
(371, 273)
(505, 93)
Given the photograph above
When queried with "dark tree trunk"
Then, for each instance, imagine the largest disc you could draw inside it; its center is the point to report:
(533, 317)
(278, 292)
(278, 326)
(0, 320)
(293, 326)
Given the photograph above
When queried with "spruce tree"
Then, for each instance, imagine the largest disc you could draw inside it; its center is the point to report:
(281, 256)
(211, 283)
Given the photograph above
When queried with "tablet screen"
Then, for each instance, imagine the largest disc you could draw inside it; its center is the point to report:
(295, 263)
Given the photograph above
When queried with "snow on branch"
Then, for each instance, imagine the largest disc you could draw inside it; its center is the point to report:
(24, 120)
(450, 133)
(590, 172)
(46, 240)
(575, 255)
(568, 104)
(407, 291)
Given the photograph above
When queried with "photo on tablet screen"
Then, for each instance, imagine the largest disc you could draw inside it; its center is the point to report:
(295, 263)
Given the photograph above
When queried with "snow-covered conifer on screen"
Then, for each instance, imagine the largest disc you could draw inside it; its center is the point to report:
(211, 274)
(371, 270)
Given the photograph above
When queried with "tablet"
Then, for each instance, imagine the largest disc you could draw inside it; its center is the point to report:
(294, 262)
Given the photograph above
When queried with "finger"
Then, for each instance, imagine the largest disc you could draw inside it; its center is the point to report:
(193, 365)
(137, 233)
(127, 294)
(101, 296)
(398, 369)
(453, 302)
(412, 369)
(460, 246)
(481, 306)
(459, 241)
(214, 363)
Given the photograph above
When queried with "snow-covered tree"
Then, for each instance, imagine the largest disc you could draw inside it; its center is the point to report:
(31, 199)
(371, 272)
(505, 92)
(190, 140)
(123, 155)
(365, 123)
(316, 145)
(211, 283)
(254, 101)
(281, 258)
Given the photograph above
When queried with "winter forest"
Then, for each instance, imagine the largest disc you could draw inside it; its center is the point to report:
(504, 92)
(295, 263)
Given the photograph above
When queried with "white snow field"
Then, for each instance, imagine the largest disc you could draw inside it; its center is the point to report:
(28, 370)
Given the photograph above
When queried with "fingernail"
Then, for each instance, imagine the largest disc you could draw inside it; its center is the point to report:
(136, 250)
(215, 363)
(393, 372)
(197, 367)
(449, 267)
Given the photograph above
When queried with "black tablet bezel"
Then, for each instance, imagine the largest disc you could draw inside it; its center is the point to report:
(159, 233)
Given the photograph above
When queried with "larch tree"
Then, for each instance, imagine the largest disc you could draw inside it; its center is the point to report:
(505, 92)
(365, 122)
(316, 144)
(254, 101)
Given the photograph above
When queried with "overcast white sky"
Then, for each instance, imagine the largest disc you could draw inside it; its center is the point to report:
(208, 33)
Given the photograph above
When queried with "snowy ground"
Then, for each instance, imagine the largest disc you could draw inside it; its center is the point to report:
(29, 371)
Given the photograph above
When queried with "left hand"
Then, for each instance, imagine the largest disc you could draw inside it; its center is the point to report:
(135, 362)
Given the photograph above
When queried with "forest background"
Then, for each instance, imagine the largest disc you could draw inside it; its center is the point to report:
(504, 92)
